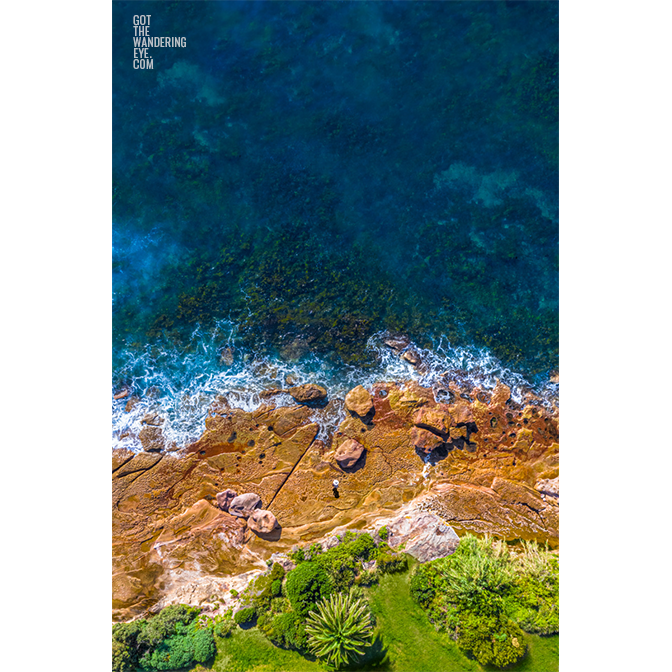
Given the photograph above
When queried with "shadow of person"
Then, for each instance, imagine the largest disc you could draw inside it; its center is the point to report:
(336, 492)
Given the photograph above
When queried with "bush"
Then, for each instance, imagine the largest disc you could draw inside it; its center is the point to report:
(492, 640)
(122, 657)
(287, 631)
(383, 533)
(389, 563)
(164, 624)
(204, 646)
(306, 585)
(223, 626)
(245, 615)
(478, 574)
(298, 556)
(534, 599)
(426, 582)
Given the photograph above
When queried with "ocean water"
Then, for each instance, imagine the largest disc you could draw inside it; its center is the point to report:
(306, 176)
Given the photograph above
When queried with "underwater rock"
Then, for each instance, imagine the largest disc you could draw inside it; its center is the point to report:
(359, 401)
(397, 343)
(131, 403)
(152, 419)
(226, 356)
(244, 505)
(348, 453)
(122, 394)
(307, 393)
(412, 357)
(425, 440)
(225, 498)
(262, 522)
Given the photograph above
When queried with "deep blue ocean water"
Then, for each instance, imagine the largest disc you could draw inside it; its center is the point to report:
(306, 176)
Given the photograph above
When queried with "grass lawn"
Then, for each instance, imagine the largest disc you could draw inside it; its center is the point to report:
(409, 643)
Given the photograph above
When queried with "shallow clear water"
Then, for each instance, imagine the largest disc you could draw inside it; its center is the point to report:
(303, 176)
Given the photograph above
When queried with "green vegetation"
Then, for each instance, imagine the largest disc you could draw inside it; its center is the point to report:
(245, 616)
(476, 610)
(340, 629)
(484, 596)
(306, 586)
(173, 639)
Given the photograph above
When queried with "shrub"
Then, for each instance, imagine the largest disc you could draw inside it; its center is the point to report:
(389, 563)
(122, 657)
(164, 624)
(534, 599)
(223, 626)
(245, 615)
(298, 556)
(383, 533)
(478, 574)
(234, 592)
(493, 640)
(341, 562)
(287, 631)
(339, 630)
(204, 646)
(426, 581)
(306, 585)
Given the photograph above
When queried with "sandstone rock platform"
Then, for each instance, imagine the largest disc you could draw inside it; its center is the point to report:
(494, 472)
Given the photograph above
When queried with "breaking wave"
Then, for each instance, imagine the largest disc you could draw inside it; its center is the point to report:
(180, 385)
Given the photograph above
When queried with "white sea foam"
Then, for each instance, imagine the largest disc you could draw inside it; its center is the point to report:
(181, 387)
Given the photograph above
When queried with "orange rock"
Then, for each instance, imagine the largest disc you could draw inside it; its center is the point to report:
(167, 530)
(433, 419)
(425, 440)
(348, 453)
(359, 401)
(262, 522)
(307, 393)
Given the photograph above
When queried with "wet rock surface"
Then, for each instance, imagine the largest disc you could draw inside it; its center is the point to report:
(308, 393)
(494, 473)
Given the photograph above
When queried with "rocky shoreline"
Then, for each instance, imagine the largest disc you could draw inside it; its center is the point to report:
(470, 460)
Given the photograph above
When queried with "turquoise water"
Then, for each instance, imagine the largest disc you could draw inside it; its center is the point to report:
(305, 176)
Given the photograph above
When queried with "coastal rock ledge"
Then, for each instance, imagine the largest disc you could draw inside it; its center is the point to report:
(495, 470)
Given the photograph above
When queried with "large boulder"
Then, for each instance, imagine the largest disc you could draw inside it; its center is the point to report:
(244, 505)
(426, 536)
(262, 522)
(348, 453)
(308, 393)
(359, 401)
(425, 440)
(225, 498)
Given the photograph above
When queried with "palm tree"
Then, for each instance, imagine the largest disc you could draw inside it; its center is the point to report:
(340, 629)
